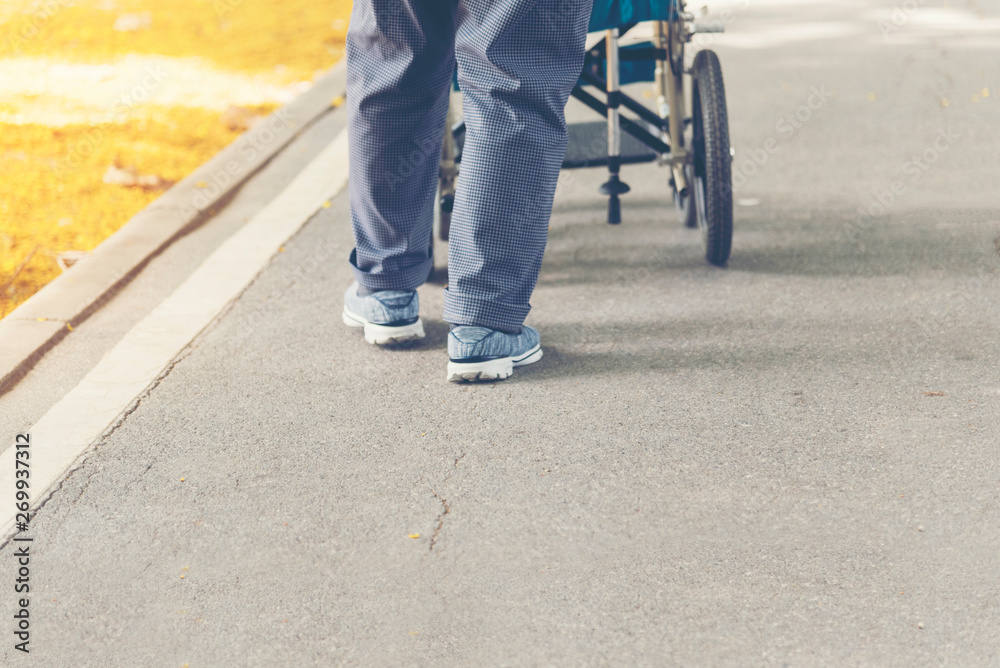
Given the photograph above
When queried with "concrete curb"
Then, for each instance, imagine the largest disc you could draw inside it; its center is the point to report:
(31, 329)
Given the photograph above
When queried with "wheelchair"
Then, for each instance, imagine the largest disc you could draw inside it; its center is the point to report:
(693, 144)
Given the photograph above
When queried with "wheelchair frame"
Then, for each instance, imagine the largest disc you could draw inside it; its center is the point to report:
(695, 147)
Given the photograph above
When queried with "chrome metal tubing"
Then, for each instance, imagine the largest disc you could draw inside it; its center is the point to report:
(614, 131)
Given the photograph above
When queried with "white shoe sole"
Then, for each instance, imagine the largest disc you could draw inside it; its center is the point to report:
(497, 369)
(384, 334)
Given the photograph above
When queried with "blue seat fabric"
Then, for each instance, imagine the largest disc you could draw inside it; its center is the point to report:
(614, 13)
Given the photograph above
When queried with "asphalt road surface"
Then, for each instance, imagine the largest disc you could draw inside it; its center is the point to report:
(791, 461)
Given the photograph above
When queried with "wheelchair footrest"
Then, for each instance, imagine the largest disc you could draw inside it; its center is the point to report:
(588, 146)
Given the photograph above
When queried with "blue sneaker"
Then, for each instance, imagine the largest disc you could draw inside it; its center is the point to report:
(481, 353)
(388, 316)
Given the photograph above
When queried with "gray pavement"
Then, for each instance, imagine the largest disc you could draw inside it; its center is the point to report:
(790, 461)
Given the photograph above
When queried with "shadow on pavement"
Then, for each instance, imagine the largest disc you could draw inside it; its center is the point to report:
(780, 242)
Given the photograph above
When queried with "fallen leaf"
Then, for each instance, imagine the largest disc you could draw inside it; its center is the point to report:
(133, 22)
(67, 259)
(129, 177)
(239, 119)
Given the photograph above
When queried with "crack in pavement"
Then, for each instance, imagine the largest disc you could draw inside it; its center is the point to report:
(83, 489)
(454, 466)
(85, 455)
(440, 519)
(445, 506)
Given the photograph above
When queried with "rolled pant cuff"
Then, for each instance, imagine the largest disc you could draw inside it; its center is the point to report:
(464, 310)
(409, 278)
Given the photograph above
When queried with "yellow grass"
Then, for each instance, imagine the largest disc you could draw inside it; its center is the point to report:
(57, 145)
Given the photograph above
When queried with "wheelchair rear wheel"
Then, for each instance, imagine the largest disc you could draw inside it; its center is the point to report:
(713, 182)
(445, 199)
(451, 151)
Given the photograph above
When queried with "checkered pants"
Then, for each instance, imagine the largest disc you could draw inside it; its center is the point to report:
(517, 62)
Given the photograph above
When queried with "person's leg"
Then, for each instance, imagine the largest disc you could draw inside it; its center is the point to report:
(400, 60)
(517, 63)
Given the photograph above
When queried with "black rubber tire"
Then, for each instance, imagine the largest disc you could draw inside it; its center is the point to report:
(444, 218)
(446, 200)
(452, 151)
(712, 160)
